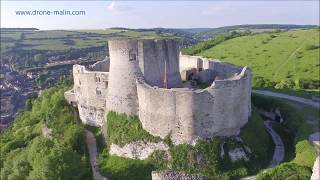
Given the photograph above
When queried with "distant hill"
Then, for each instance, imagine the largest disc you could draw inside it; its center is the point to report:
(18, 29)
(275, 56)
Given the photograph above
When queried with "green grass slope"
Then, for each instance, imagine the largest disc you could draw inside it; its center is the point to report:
(274, 56)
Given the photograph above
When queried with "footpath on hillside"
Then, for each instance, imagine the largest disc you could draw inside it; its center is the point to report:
(92, 147)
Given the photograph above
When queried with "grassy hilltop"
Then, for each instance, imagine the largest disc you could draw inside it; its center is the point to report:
(289, 59)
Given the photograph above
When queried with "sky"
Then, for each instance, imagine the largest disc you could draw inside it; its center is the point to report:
(168, 14)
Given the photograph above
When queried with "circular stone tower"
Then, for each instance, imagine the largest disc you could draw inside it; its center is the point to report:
(124, 69)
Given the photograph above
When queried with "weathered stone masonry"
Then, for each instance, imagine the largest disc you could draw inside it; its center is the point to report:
(132, 82)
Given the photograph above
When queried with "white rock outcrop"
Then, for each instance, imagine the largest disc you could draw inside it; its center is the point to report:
(238, 154)
(137, 150)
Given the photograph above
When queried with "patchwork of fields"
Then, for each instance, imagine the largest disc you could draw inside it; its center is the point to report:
(58, 40)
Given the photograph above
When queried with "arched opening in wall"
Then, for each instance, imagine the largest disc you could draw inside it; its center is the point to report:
(98, 92)
(190, 76)
(97, 79)
(200, 65)
(132, 55)
(106, 84)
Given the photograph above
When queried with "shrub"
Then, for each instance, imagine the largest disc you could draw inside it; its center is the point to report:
(305, 154)
(285, 84)
(260, 82)
(312, 47)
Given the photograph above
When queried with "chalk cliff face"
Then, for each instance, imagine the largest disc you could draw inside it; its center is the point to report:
(144, 78)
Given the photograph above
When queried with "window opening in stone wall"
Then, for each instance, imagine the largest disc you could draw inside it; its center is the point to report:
(132, 56)
(106, 84)
(98, 79)
(98, 92)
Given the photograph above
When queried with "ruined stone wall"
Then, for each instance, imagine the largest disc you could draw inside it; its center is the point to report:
(219, 110)
(217, 68)
(139, 59)
(156, 55)
(189, 62)
(90, 89)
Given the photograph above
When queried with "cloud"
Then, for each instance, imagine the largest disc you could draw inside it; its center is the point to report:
(111, 5)
(211, 10)
(117, 7)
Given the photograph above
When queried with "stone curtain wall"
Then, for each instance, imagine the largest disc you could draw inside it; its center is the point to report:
(90, 89)
(220, 110)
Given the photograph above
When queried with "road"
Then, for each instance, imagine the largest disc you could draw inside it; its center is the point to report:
(288, 97)
(92, 146)
(278, 154)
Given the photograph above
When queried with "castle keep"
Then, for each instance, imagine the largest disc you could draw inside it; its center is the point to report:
(188, 97)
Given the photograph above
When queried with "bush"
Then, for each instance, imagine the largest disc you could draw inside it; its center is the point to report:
(307, 84)
(285, 84)
(288, 171)
(312, 47)
(305, 154)
(260, 82)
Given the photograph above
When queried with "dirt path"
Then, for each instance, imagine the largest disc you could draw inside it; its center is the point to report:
(288, 97)
(278, 154)
(92, 147)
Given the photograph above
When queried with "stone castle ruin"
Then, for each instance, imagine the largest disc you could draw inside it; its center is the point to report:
(187, 97)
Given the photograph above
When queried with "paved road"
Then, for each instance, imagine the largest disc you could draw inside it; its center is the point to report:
(278, 154)
(91, 143)
(288, 97)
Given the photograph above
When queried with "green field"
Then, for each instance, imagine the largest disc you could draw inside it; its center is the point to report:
(274, 56)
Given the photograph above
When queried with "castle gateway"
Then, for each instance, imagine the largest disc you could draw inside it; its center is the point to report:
(188, 97)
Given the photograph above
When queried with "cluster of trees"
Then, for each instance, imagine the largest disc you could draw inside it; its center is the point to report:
(45, 142)
(261, 82)
(193, 50)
